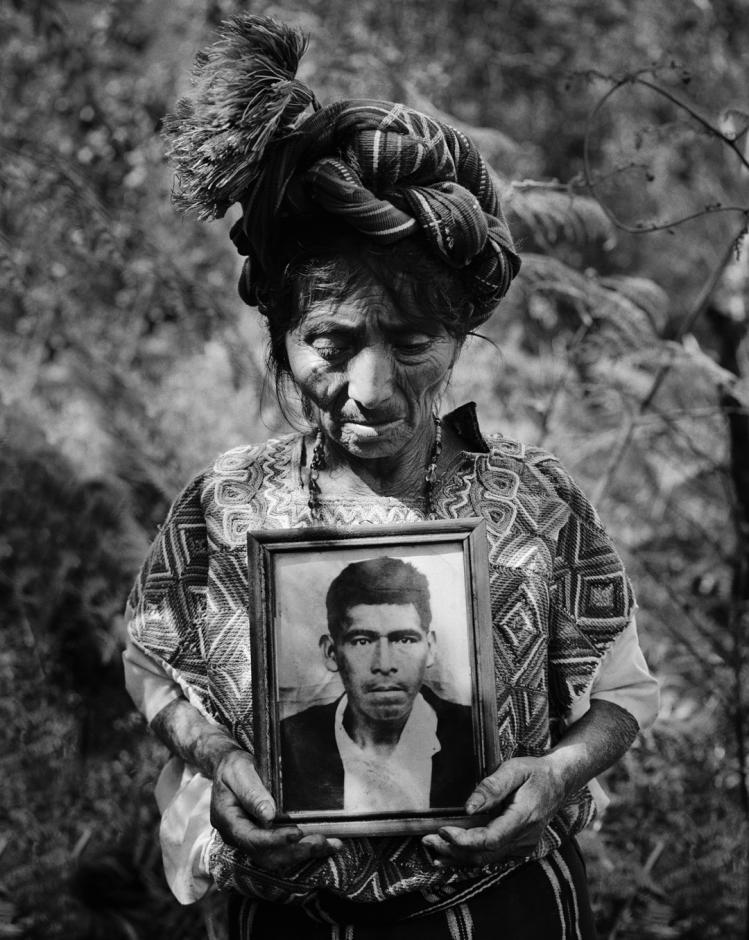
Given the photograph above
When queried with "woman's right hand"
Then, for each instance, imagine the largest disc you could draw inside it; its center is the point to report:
(242, 811)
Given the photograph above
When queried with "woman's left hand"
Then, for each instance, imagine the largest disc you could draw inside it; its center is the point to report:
(524, 793)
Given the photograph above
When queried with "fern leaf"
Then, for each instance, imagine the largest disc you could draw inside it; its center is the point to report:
(595, 303)
(552, 213)
(645, 294)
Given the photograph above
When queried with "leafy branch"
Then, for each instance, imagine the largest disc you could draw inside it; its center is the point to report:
(698, 308)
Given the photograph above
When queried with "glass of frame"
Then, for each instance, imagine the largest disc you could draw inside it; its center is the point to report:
(373, 696)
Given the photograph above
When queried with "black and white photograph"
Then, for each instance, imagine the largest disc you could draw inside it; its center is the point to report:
(374, 470)
(377, 698)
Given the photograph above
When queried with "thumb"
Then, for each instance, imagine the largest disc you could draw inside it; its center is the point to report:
(495, 788)
(239, 775)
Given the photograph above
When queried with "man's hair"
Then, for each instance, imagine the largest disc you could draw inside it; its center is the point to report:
(377, 581)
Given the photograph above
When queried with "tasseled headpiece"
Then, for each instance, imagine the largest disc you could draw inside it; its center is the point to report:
(246, 95)
(382, 168)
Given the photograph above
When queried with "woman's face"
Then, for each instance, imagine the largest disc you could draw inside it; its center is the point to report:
(370, 376)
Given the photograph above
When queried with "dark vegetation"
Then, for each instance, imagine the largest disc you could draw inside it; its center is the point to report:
(127, 362)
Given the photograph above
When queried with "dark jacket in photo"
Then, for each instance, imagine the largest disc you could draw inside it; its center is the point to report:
(312, 770)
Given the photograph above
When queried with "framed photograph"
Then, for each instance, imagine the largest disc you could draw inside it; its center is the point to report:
(374, 705)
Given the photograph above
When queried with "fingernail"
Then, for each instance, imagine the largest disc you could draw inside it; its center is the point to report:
(265, 810)
(474, 803)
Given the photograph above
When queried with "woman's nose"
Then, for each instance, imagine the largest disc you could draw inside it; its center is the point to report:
(370, 376)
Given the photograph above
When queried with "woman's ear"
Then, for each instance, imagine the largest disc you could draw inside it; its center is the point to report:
(327, 648)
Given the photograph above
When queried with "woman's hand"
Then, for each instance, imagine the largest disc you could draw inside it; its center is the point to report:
(242, 811)
(523, 794)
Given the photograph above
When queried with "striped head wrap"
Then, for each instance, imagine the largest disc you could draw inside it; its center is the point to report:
(383, 169)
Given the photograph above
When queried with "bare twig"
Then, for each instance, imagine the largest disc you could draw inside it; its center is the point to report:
(729, 140)
(706, 669)
(82, 842)
(706, 632)
(561, 382)
(677, 414)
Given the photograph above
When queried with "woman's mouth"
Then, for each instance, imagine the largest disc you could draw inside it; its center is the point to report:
(370, 428)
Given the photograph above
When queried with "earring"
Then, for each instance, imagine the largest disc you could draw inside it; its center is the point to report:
(316, 464)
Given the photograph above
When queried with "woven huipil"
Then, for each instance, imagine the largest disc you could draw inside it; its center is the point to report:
(559, 599)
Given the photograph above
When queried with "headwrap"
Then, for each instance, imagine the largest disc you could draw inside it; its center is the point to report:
(385, 170)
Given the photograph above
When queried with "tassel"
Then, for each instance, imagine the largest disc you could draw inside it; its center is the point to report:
(246, 97)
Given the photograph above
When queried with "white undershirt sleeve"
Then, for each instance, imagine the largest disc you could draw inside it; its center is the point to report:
(147, 683)
(624, 679)
(183, 795)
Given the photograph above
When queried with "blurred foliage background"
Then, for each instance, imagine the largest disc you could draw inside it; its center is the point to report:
(128, 362)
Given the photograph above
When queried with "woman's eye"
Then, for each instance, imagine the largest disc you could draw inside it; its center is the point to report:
(328, 349)
(413, 345)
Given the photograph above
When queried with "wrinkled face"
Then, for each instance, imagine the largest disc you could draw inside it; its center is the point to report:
(382, 655)
(370, 377)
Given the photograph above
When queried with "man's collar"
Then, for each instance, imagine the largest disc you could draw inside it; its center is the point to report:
(413, 740)
(464, 421)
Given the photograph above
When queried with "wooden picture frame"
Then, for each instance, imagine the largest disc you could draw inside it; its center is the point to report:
(332, 665)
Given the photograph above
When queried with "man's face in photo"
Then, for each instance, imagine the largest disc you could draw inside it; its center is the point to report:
(382, 654)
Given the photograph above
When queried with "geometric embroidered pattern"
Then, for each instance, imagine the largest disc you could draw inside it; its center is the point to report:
(559, 598)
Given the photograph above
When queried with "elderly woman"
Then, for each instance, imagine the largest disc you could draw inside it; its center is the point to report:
(374, 243)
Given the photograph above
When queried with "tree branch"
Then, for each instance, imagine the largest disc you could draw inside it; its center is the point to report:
(686, 325)
(635, 78)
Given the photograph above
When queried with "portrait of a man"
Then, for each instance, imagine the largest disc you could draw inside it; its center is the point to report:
(389, 743)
